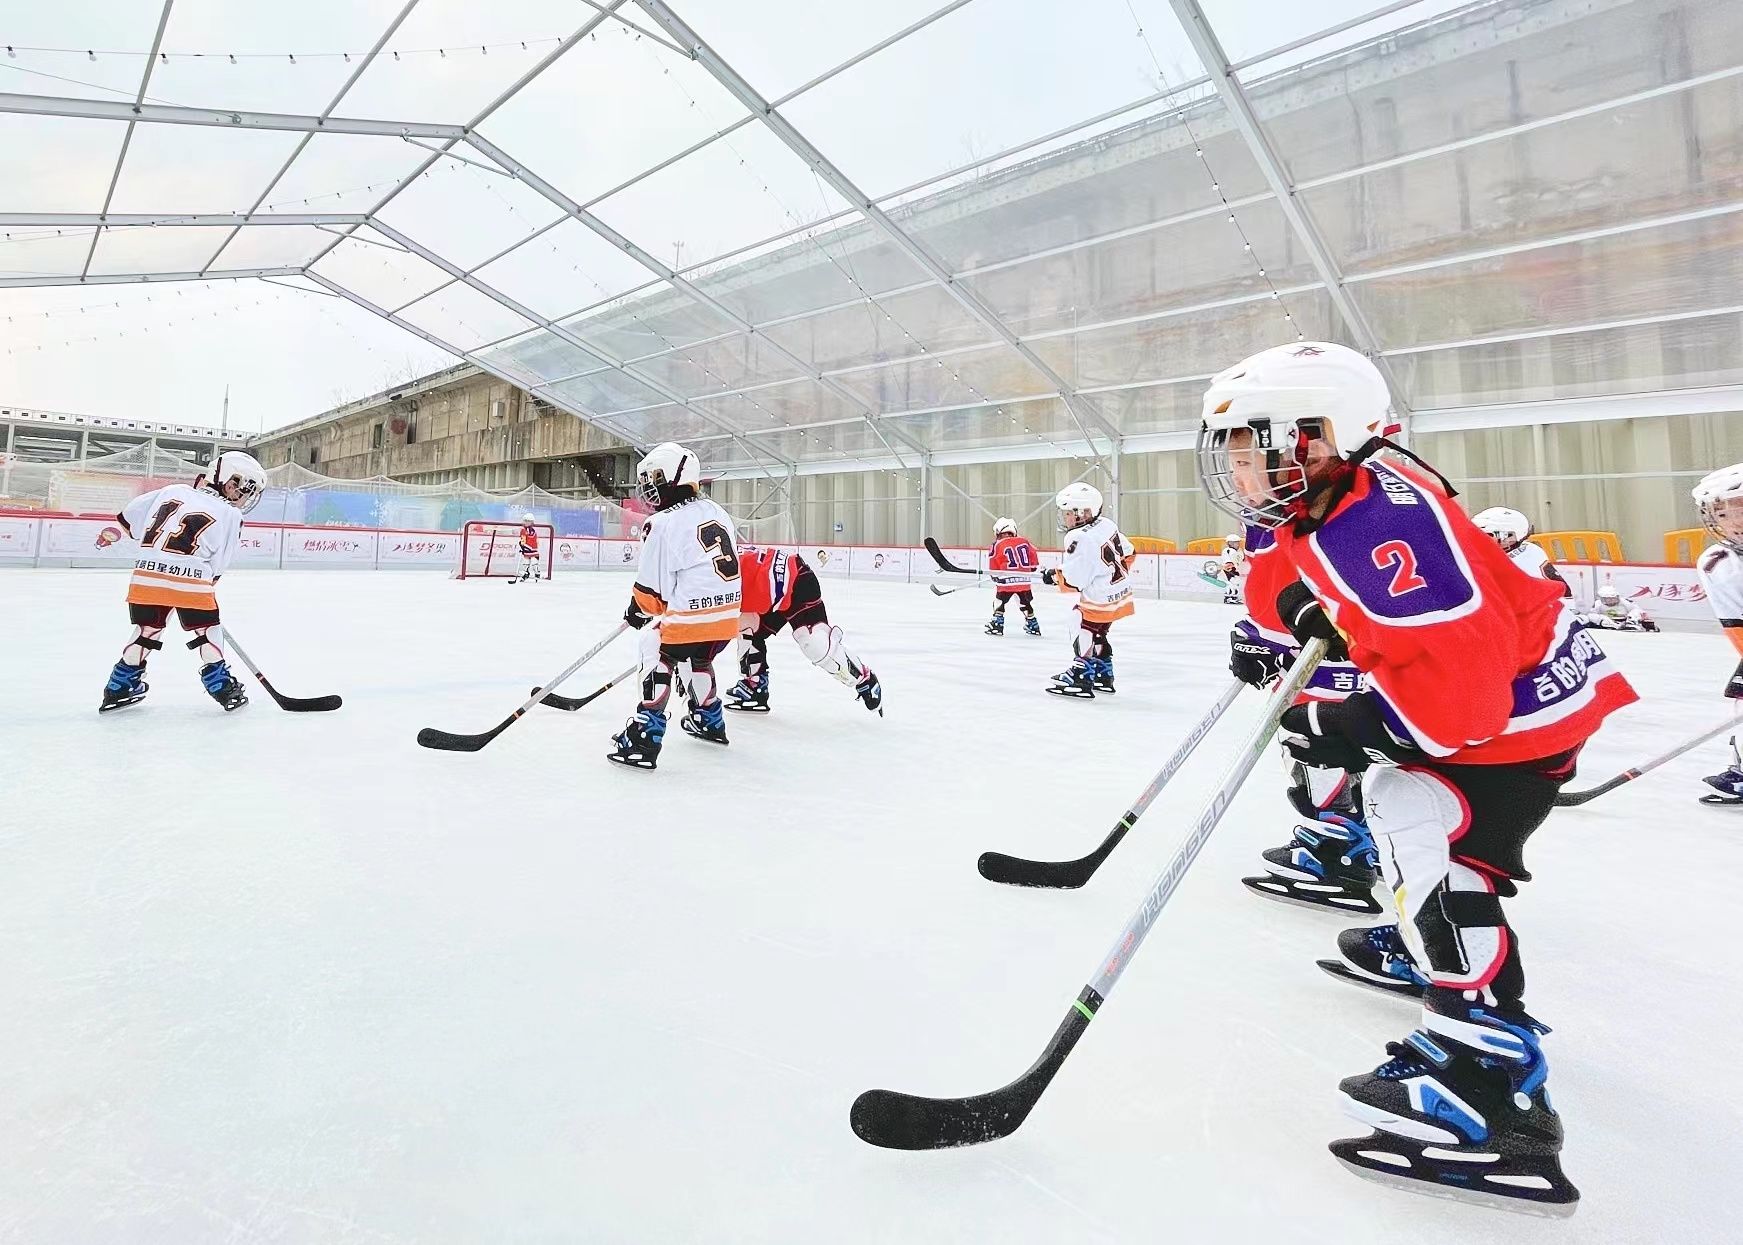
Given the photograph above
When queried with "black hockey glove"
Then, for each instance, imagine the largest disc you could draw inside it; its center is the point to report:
(1049, 575)
(1348, 734)
(1254, 662)
(1734, 687)
(636, 616)
(1307, 620)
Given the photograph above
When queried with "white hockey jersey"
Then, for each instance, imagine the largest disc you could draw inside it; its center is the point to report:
(1721, 571)
(688, 575)
(1098, 565)
(187, 538)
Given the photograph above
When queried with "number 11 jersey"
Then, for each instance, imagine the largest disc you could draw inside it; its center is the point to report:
(187, 537)
(688, 576)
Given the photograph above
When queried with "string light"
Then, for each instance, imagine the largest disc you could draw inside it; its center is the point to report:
(166, 57)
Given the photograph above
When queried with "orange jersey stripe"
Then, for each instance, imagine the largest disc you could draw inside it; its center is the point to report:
(649, 602)
(674, 630)
(162, 594)
(1106, 613)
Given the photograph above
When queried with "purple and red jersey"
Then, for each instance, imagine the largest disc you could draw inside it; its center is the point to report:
(1011, 564)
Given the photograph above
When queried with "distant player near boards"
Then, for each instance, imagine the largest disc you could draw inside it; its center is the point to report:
(1512, 531)
(1481, 689)
(1012, 563)
(1719, 497)
(1098, 567)
(529, 551)
(687, 580)
(187, 536)
(780, 591)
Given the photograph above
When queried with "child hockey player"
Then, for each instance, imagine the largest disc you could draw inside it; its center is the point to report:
(1012, 563)
(1098, 562)
(187, 536)
(1453, 784)
(1611, 613)
(1512, 531)
(1233, 560)
(529, 551)
(1720, 499)
(780, 590)
(688, 579)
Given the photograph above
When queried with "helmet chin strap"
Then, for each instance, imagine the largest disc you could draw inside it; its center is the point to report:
(1342, 478)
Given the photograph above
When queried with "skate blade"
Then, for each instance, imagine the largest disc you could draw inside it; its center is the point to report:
(632, 762)
(1276, 889)
(707, 739)
(1070, 693)
(1554, 1198)
(1715, 799)
(736, 708)
(1393, 987)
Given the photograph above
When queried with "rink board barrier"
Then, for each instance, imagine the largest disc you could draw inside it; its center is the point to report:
(46, 539)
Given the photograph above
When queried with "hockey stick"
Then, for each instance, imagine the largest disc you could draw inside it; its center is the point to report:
(294, 704)
(1571, 799)
(571, 703)
(944, 563)
(942, 592)
(1070, 874)
(900, 1121)
(447, 741)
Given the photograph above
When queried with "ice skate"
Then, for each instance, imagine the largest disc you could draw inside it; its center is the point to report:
(126, 686)
(638, 744)
(222, 686)
(1075, 681)
(997, 625)
(749, 695)
(870, 691)
(1460, 1110)
(1727, 785)
(1101, 674)
(1329, 864)
(1377, 958)
(707, 723)
(1031, 625)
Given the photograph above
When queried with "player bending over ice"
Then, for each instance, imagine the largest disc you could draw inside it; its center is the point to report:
(529, 551)
(688, 580)
(1611, 613)
(781, 590)
(1011, 564)
(187, 536)
(1481, 689)
(1719, 497)
(1098, 564)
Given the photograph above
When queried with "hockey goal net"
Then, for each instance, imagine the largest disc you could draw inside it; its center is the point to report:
(491, 550)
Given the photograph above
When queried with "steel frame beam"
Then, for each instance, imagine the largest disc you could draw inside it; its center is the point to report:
(220, 118)
(170, 220)
(802, 147)
(127, 134)
(145, 278)
(1228, 88)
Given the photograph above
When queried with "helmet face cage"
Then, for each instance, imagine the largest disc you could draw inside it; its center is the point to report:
(1721, 507)
(248, 491)
(1285, 475)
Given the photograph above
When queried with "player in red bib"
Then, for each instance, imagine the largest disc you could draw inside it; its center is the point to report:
(780, 590)
(529, 551)
(1480, 690)
(1012, 563)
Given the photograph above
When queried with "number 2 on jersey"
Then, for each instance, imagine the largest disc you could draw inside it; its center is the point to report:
(1399, 558)
(718, 541)
(186, 536)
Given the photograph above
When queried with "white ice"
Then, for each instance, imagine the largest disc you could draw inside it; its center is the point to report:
(268, 977)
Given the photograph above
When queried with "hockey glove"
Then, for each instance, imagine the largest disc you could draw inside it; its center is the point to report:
(1307, 620)
(636, 616)
(1255, 662)
(1734, 687)
(1350, 734)
(1049, 576)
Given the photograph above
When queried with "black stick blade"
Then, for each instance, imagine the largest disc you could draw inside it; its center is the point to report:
(898, 1121)
(556, 700)
(447, 741)
(1051, 874)
(944, 563)
(301, 704)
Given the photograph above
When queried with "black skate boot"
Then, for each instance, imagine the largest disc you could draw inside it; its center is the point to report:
(1076, 681)
(1727, 786)
(1031, 625)
(707, 723)
(870, 691)
(1377, 958)
(1461, 1111)
(750, 694)
(997, 625)
(126, 686)
(1101, 673)
(1331, 864)
(638, 744)
(222, 686)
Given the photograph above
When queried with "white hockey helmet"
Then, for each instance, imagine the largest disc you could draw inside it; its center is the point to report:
(1262, 415)
(1509, 528)
(238, 478)
(1004, 527)
(1078, 504)
(1719, 497)
(1607, 595)
(527, 517)
(667, 475)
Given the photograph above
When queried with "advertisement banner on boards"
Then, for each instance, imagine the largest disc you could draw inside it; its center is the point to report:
(258, 546)
(419, 549)
(89, 540)
(832, 561)
(18, 538)
(328, 547)
(868, 562)
(576, 553)
(619, 555)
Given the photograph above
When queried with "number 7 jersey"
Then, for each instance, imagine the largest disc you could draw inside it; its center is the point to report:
(688, 577)
(187, 537)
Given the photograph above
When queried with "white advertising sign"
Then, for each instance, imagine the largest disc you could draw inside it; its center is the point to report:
(419, 549)
(93, 540)
(619, 555)
(577, 553)
(868, 562)
(259, 546)
(18, 537)
(318, 546)
(830, 560)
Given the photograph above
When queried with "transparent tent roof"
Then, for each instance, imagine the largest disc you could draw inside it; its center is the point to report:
(798, 233)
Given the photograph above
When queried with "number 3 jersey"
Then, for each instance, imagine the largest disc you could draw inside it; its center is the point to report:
(187, 537)
(688, 575)
(1473, 660)
(1098, 566)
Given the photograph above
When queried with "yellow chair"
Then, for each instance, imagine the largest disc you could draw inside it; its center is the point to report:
(1210, 546)
(1580, 546)
(1684, 545)
(1153, 544)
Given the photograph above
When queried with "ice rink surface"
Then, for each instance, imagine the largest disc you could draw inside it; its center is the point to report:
(270, 977)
